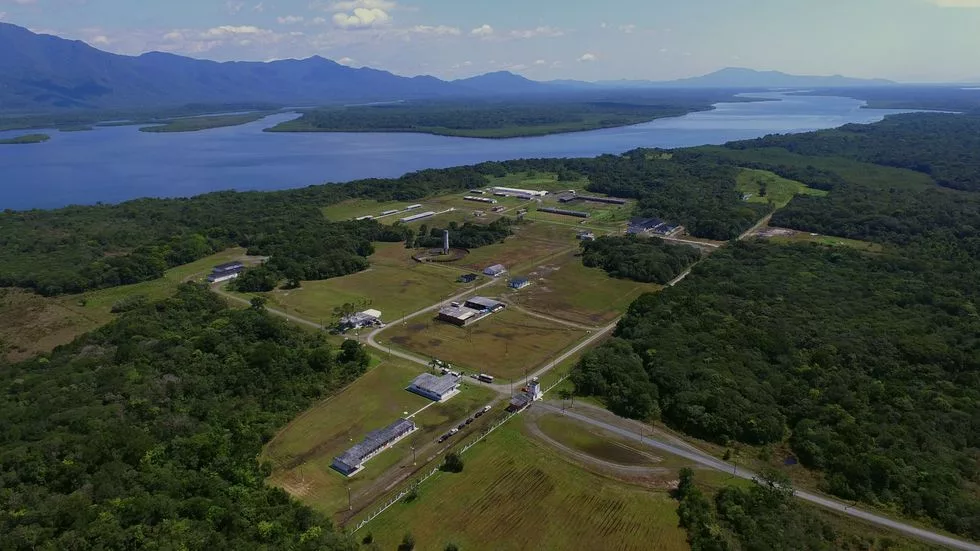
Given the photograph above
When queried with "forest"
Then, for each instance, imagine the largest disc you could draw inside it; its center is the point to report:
(79, 248)
(647, 260)
(467, 236)
(941, 145)
(144, 433)
(868, 366)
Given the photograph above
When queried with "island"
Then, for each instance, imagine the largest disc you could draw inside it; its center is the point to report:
(197, 123)
(26, 139)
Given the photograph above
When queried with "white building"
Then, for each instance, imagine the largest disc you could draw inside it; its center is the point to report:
(352, 461)
(435, 388)
(510, 191)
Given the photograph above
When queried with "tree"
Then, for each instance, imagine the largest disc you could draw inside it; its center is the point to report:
(258, 303)
(408, 542)
(451, 547)
(453, 463)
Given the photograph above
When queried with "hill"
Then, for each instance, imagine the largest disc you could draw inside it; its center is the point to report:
(503, 82)
(44, 72)
(736, 77)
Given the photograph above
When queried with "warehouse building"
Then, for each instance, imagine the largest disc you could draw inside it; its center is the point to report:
(225, 272)
(352, 460)
(484, 304)
(438, 389)
(563, 212)
(367, 318)
(495, 271)
(480, 199)
(416, 217)
(458, 315)
(515, 192)
(519, 283)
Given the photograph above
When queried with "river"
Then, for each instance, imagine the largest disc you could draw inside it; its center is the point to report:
(113, 164)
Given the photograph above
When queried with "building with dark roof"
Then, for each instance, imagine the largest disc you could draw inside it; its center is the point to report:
(467, 278)
(564, 212)
(518, 283)
(352, 460)
(496, 270)
(484, 304)
(643, 225)
(225, 272)
(458, 315)
(435, 388)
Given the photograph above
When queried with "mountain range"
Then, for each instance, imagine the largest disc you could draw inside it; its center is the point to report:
(43, 72)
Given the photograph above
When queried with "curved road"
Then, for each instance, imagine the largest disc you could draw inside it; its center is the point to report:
(712, 463)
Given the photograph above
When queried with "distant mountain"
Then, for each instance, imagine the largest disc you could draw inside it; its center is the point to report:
(502, 82)
(735, 77)
(42, 72)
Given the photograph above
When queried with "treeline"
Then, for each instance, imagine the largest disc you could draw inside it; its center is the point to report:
(867, 366)
(78, 248)
(943, 146)
(467, 236)
(640, 259)
(144, 434)
(763, 516)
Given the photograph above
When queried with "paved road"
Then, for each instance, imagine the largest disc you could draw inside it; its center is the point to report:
(711, 462)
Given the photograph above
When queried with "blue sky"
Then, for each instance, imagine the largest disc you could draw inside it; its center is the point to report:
(907, 40)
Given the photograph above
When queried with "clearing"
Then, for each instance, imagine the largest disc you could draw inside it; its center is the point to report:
(531, 243)
(762, 186)
(32, 324)
(566, 289)
(302, 452)
(516, 494)
(506, 344)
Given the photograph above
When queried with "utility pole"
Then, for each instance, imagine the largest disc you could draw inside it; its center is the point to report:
(413, 455)
(350, 505)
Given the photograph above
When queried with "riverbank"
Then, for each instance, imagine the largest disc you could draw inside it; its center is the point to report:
(26, 139)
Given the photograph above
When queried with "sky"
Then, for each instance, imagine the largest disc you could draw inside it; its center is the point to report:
(904, 40)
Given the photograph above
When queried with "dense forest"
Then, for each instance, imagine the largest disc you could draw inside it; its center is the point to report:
(467, 236)
(640, 259)
(144, 434)
(761, 517)
(80, 248)
(869, 366)
(496, 120)
(941, 145)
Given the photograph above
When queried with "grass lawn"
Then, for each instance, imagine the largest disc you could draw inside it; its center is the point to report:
(777, 189)
(591, 442)
(530, 244)
(544, 181)
(829, 241)
(30, 323)
(395, 284)
(302, 452)
(503, 345)
(517, 494)
(566, 289)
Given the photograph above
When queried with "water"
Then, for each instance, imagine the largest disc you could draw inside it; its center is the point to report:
(113, 164)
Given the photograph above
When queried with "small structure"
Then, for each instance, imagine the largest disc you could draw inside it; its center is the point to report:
(512, 192)
(586, 236)
(668, 230)
(496, 270)
(518, 283)
(642, 225)
(367, 318)
(225, 272)
(416, 217)
(526, 396)
(484, 304)
(445, 241)
(567, 197)
(499, 209)
(389, 212)
(352, 460)
(480, 199)
(412, 207)
(467, 278)
(478, 191)
(564, 212)
(606, 200)
(438, 389)
(458, 315)
(360, 218)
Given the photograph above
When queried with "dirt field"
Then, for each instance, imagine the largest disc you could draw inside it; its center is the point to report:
(544, 502)
(503, 345)
(565, 289)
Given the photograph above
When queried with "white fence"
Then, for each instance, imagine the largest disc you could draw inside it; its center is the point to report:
(404, 493)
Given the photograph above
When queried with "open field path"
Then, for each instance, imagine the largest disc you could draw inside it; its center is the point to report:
(706, 460)
(546, 317)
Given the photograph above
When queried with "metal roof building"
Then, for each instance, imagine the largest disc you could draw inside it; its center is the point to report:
(374, 443)
(495, 270)
(458, 315)
(484, 304)
(519, 283)
(435, 388)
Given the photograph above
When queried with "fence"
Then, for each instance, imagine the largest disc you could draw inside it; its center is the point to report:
(401, 495)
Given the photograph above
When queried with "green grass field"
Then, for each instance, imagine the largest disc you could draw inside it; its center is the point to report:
(504, 344)
(778, 190)
(546, 181)
(516, 494)
(566, 289)
(302, 452)
(30, 323)
(531, 243)
(585, 440)
(829, 241)
(395, 284)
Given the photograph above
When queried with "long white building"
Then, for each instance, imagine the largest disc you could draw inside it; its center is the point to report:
(516, 191)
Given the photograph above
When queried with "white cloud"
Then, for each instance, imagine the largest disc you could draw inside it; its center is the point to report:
(260, 7)
(234, 7)
(439, 30)
(3, 15)
(290, 19)
(536, 32)
(518, 67)
(628, 29)
(482, 31)
(101, 40)
(540, 62)
(587, 57)
(350, 5)
(361, 18)
(21, 2)
(345, 61)
(319, 20)
(231, 30)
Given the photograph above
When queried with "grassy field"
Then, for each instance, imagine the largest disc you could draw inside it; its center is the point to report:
(545, 181)
(30, 323)
(829, 241)
(194, 124)
(503, 345)
(530, 244)
(566, 289)
(516, 494)
(778, 190)
(588, 441)
(302, 452)
(395, 284)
